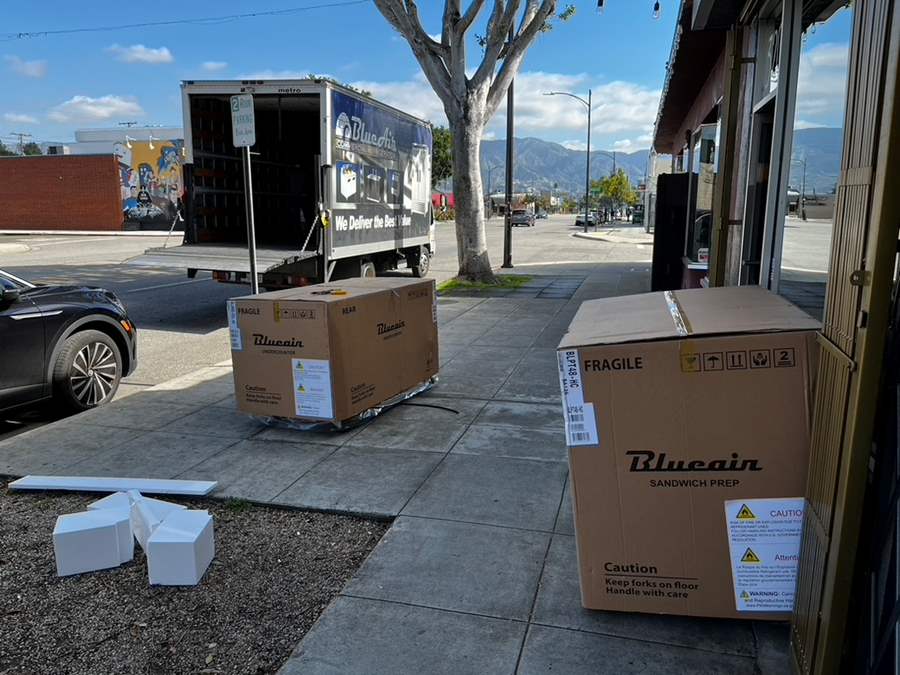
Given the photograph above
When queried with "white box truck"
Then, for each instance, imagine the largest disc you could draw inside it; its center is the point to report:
(341, 185)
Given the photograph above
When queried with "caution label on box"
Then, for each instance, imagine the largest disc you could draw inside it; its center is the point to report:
(312, 388)
(764, 541)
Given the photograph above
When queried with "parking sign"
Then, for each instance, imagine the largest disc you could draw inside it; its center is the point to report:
(243, 124)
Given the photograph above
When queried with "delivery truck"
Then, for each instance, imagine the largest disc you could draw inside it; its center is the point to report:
(341, 185)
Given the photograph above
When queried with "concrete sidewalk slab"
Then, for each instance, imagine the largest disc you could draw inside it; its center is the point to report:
(521, 415)
(361, 480)
(493, 491)
(535, 378)
(258, 470)
(559, 604)
(575, 653)
(154, 454)
(565, 521)
(537, 444)
(477, 569)
(395, 638)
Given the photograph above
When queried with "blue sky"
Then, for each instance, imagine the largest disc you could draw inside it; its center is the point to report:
(53, 85)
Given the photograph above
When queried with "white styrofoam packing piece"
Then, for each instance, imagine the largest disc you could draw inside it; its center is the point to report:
(146, 515)
(105, 484)
(91, 540)
(181, 548)
(117, 500)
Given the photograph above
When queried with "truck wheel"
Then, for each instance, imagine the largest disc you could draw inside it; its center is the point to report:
(367, 270)
(421, 262)
(87, 371)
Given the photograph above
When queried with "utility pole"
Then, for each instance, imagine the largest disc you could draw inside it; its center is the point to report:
(510, 142)
(21, 140)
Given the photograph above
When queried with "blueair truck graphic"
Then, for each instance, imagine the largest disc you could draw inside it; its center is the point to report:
(341, 185)
(382, 172)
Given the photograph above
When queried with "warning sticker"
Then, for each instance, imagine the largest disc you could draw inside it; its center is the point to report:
(581, 424)
(312, 388)
(764, 540)
(234, 330)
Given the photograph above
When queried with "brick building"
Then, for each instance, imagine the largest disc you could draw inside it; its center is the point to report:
(60, 192)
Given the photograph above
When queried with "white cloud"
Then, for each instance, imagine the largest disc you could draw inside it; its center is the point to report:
(269, 74)
(141, 54)
(414, 96)
(435, 36)
(622, 108)
(19, 118)
(87, 109)
(821, 84)
(805, 124)
(574, 145)
(214, 66)
(36, 69)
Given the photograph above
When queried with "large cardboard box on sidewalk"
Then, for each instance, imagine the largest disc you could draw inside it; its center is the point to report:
(330, 351)
(688, 420)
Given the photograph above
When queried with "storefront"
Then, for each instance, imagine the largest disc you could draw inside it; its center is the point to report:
(773, 72)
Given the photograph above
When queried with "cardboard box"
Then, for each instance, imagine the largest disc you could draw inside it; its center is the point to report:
(330, 351)
(688, 420)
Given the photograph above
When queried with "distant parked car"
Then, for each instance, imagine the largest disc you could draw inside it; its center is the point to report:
(541, 215)
(72, 344)
(522, 217)
(592, 219)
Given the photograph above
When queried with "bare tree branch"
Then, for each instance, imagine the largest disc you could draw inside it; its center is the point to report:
(466, 21)
(498, 29)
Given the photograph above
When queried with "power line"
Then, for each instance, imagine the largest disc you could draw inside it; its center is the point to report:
(26, 35)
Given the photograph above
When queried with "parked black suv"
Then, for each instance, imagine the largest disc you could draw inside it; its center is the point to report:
(69, 343)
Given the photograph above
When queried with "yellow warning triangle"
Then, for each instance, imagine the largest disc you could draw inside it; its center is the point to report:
(750, 557)
(745, 513)
(745, 595)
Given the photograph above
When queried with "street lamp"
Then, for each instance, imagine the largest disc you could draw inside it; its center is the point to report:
(587, 163)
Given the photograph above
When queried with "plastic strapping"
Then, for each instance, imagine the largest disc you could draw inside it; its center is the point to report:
(681, 322)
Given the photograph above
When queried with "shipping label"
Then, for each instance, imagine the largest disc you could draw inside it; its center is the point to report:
(764, 541)
(581, 423)
(312, 388)
(234, 329)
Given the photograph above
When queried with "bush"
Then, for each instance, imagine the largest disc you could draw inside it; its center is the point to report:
(448, 214)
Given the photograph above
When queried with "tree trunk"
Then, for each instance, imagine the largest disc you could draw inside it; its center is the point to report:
(474, 263)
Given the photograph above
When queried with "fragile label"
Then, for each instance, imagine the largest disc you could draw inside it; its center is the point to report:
(764, 540)
(234, 330)
(312, 388)
(581, 423)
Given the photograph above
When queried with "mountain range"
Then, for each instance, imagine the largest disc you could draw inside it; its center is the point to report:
(545, 165)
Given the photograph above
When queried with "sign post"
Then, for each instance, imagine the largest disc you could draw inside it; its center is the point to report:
(243, 133)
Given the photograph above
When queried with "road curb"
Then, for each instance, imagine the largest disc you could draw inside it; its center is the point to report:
(93, 233)
(14, 248)
(611, 239)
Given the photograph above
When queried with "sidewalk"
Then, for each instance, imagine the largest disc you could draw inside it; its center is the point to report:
(477, 573)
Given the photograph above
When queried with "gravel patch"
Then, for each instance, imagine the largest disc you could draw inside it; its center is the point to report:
(274, 572)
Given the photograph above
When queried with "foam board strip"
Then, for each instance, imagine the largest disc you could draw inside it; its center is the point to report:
(104, 484)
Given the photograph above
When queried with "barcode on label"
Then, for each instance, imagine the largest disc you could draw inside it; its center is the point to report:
(580, 436)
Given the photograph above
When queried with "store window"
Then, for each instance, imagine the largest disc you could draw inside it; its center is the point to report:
(703, 168)
(815, 161)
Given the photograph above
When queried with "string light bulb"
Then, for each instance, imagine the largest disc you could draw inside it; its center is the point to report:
(656, 9)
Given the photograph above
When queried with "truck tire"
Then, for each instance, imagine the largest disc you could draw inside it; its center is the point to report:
(420, 262)
(87, 371)
(367, 270)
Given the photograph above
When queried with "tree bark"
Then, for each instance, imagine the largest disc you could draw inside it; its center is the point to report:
(472, 253)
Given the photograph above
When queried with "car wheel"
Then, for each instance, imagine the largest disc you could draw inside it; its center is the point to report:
(87, 371)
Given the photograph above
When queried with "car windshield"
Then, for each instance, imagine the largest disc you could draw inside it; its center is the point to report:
(8, 281)
(518, 213)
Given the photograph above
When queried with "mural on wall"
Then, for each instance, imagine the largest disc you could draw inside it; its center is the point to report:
(151, 180)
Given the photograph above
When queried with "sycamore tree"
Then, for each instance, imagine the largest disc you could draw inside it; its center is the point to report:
(471, 95)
